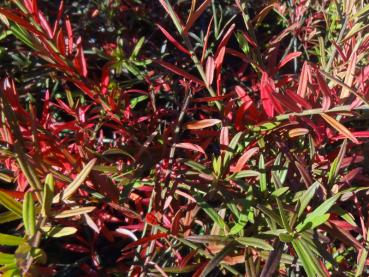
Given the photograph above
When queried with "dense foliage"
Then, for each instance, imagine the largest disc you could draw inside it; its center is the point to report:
(184, 138)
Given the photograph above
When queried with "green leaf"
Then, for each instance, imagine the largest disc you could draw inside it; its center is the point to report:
(6, 258)
(217, 165)
(239, 225)
(321, 209)
(11, 204)
(271, 214)
(213, 215)
(74, 212)
(309, 261)
(8, 217)
(208, 239)
(262, 181)
(282, 213)
(279, 192)
(244, 174)
(306, 198)
(362, 259)
(48, 195)
(137, 48)
(213, 263)
(313, 223)
(29, 219)
(285, 237)
(197, 166)
(57, 232)
(232, 148)
(10, 240)
(14, 272)
(72, 187)
(335, 167)
(348, 217)
(254, 242)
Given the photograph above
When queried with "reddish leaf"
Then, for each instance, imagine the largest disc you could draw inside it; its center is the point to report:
(297, 132)
(210, 67)
(180, 72)
(68, 26)
(266, 90)
(190, 146)
(359, 134)
(325, 90)
(145, 240)
(80, 61)
(303, 82)
(45, 25)
(173, 40)
(60, 43)
(176, 222)
(244, 158)
(196, 15)
(11, 16)
(339, 127)
(295, 97)
(200, 124)
(288, 58)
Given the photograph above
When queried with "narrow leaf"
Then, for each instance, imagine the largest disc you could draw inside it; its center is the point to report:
(339, 127)
(11, 204)
(29, 218)
(200, 124)
(72, 187)
(213, 263)
(74, 212)
(255, 242)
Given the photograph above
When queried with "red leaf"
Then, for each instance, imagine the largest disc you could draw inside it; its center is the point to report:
(60, 43)
(76, 248)
(68, 26)
(286, 102)
(219, 55)
(359, 134)
(176, 222)
(60, 12)
(105, 79)
(288, 58)
(206, 40)
(241, 114)
(224, 136)
(266, 90)
(210, 67)
(145, 240)
(326, 103)
(190, 146)
(298, 99)
(45, 25)
(80, 61)
(196, 15)
(200, 124)
(173, 40)
(225, 38)
(244, 158)
(35, 11)
(339, 127)
(249, 39)
(180, 72)
(8, 14)
(303, 82)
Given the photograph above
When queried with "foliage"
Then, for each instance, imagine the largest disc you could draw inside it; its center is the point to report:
(184, 138)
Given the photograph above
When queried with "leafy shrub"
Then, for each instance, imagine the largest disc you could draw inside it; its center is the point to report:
(183, 138)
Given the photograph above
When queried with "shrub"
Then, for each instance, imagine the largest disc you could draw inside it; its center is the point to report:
(183, 138)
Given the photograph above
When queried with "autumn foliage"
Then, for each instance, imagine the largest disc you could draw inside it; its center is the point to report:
(184, 138)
